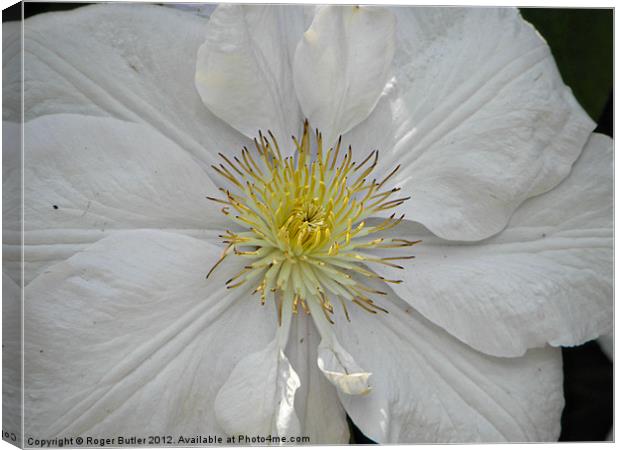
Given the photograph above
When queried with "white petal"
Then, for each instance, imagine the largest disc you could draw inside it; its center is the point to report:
(342, 65)
(259, 396)
(204, 10)
(429, 387)
(11, 71)
(546, 279)
(11, 360)
(338, 366)
(11, 175)
(12, 200)
(244, 68)
(319, 410)
(86, 176)
(131, 62)
(479, 119)
(128, 335)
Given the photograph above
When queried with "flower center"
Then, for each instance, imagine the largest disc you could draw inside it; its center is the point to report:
(305, 235)
(306, 226)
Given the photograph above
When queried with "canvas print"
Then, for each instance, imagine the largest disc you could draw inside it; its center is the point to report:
(231, 224)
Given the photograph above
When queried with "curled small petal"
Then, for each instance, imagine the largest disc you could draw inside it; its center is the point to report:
(259, 396)
(335, 362)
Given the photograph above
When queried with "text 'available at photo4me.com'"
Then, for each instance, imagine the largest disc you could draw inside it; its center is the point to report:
(90, 441)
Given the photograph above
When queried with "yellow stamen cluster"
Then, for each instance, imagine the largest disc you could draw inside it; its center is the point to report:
(304, 221)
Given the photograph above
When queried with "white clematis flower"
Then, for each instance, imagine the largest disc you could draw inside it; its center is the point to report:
(128, 106)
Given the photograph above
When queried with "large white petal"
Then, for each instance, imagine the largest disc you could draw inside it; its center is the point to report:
(12, 200)
(11, 175)
(200, 9)
(478, 118)
(319, 410)
(546, 279)
(128, 335)
(86, 176)
(342, 65)
(131, 62)
(244, 68)
(429, 387)
(11, 71)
